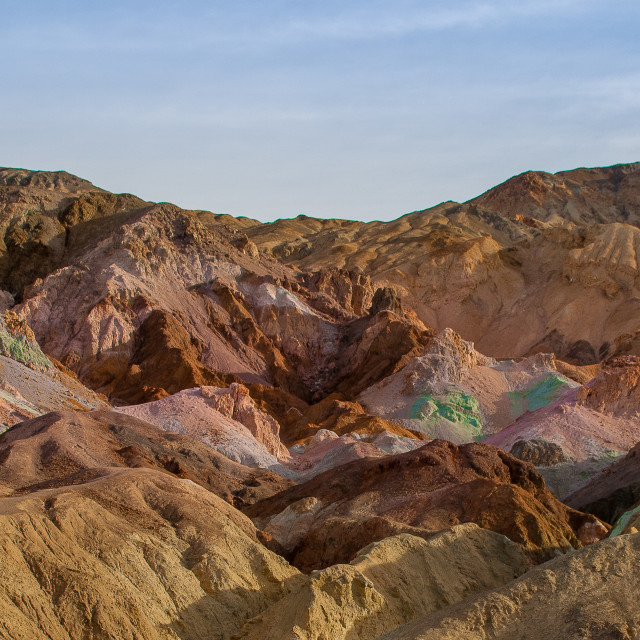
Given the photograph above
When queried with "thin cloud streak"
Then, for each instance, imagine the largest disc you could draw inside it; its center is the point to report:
(202, 32)
(387, 24)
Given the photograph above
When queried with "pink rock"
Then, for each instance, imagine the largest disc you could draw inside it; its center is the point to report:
(214, 416)
(236, 403)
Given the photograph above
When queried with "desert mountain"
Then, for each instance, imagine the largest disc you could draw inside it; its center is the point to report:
(216, 428)
(68, 448)
(420, 492)
(516, 270)
(124, 291)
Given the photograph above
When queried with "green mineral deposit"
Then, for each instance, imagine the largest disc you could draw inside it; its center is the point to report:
(22, 350)
(539, 395)
(623, 520)
(454, 406)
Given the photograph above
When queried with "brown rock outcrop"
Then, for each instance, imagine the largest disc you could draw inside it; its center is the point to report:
(583, 196)
(140, 553)
(342, 291)
(538, 452)
(421, 492)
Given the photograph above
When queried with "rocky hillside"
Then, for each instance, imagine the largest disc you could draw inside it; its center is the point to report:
(515, 270)
(213, 428)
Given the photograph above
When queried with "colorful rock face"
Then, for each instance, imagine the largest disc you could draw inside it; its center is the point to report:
(539, 395)
(453, 392)
(225, 419)
(628, 522)
(163, 371)
(593, 425)
(31, 384)
(455, 407)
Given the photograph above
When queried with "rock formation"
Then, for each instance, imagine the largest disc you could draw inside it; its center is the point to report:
(353, 388)
(67, 448)
(421, 492)
(587, 594)
(538, 452)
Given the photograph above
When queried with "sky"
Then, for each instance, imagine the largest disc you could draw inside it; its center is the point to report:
(351, 109)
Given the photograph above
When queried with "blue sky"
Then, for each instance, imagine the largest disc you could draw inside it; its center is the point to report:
(358, 109)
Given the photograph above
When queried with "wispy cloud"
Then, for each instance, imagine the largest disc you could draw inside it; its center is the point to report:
(205, 27)
(394, 21)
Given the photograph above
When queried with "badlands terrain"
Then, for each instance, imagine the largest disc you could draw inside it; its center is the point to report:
(213, 428)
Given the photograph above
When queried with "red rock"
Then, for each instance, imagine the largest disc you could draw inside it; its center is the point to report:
(423, 491)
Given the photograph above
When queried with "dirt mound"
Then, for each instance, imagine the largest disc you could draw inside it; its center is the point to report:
(581, 375)
(135, 553)
(326, 450)
(389, 581)
(421, 492)
(67, 448)
(590, 594)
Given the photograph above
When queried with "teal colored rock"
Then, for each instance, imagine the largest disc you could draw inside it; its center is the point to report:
(540, 395)
(455, 406)
(19, 348)
(623, 521)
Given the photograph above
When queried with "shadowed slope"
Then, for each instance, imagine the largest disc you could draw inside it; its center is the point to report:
(587, 595)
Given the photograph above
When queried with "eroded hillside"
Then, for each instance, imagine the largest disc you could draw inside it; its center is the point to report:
(312, 429)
